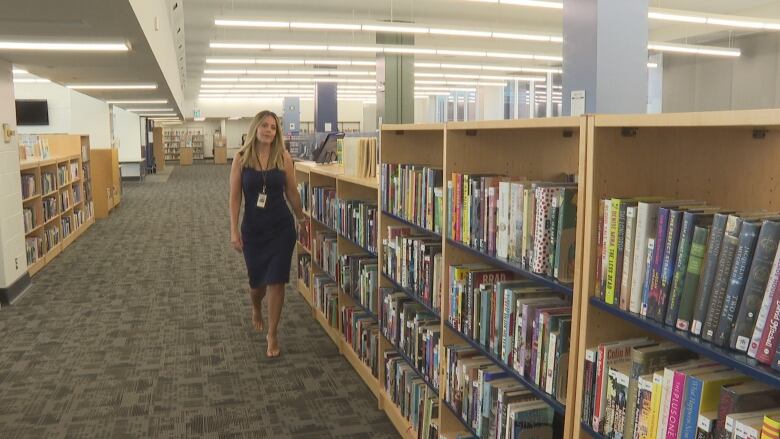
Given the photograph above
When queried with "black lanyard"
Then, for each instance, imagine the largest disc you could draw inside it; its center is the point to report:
(262, 171)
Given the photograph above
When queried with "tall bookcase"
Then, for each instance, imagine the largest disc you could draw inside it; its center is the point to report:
(725, 158)
(62, 212)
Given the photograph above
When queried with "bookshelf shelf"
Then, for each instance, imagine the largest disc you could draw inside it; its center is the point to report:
(51, 220)
(32, 198)
(360, 305)
(304, 290)
(322, 224)
(514, 268)
(404, 427)
(459, 417)
(410, 224)
(541, 394)
(411, 295)
(302, 247)
(362, 369)
(411, 364)
(344, 237)
(734, 360)
(34, 229)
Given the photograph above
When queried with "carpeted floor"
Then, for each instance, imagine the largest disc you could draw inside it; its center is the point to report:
(142, 329)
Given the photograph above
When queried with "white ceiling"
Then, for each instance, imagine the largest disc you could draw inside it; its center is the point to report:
(83, 21)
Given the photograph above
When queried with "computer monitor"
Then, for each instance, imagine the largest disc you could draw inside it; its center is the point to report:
(326, 152)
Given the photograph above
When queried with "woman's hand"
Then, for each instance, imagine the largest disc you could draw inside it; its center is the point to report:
(235, 240)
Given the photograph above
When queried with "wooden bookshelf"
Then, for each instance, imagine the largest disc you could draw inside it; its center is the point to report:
(159, 148)
(724, 158)
(72, 152)
(105, 180)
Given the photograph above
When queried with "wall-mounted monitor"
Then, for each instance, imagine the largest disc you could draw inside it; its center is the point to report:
(32, 112)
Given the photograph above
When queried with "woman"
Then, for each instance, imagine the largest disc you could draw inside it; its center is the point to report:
(263, 172)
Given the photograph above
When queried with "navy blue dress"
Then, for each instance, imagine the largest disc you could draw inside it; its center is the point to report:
(268, 233)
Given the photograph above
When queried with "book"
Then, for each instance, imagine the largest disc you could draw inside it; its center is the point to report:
(669, 261)
(608, 353)
(768, 307)
(702, 394)
(628, 259)
(655, 297)
(589, 379)
(692, 277)
(742, 398)
(708, 272)
(755, 287)
(748, 237)
(617, 388)
(721, 282)
(705, 427)
(643, 405)
(670, 389)
(565, 241)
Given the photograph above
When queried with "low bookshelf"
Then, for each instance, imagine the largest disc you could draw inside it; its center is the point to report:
(679, 163)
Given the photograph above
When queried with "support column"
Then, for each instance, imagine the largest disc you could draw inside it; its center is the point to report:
(490, 103)
(395, 81)
(325, 107)
(13, 260)
(605, 55)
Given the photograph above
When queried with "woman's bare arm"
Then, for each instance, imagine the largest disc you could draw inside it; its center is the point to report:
(235, 201)
(291, 190)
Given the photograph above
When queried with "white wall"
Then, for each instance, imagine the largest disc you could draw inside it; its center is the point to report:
(13, 262)
(234, 129)
(126, 131)
(70, 112)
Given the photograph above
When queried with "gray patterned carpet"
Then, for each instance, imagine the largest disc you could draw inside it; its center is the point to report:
(142, 329)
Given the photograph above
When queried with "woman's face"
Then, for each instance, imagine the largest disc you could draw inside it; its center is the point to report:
(266, 130)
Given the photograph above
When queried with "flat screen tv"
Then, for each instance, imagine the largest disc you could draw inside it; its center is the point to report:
(32, 112)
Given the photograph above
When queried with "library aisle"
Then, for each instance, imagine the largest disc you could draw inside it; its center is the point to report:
(142, 329)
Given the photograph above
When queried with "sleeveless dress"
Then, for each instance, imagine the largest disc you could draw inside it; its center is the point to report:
(268, 233)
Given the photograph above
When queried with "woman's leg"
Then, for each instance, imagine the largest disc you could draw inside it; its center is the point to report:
(275, 302)
(257, 295)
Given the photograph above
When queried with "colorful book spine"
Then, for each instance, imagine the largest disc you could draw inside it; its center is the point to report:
(766, 308)
(692, 278)
(708, 272)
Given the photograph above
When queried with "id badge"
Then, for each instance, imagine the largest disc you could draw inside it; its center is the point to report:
(261, 199)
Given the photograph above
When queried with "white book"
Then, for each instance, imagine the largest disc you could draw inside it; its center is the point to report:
(607, 203)
(763, 313)
(515, 222)
(646, 219)
(548, 383)
(502, 240)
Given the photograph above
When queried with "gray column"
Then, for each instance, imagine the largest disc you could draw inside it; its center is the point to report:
(291, 114)
(13, 260)
(605, 54)
(325, 107)
(395, 81)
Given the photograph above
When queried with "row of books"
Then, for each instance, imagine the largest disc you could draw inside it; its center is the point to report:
(359, 277)
(323, 204)
(407, 390)
(65, 201)
(361, 332)
(360, 156)
(415, 193)
(412, 330)
(28, 186)
(324, 251)
(35, 248)
(48, 182)
(694, 267)
(62, 175)
(639, 388)
(531, 223)
(77, 194)
(85, 168)
(357, 220)
(304, 268)
(488, 400)
(524, 325)
(304, 234)
(74, 171)
(49, 208)
(67, 226)
(414, 261)
(52, 237)
(79, 218)
(88, 192)
(326, 297)
(28, 214)
(303, 191)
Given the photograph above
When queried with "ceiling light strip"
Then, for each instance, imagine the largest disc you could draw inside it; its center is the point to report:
(72, 47)
(112, 86)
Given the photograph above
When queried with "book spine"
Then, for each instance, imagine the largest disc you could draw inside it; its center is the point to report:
(680, 267)
(543, 197)
(621, 394)
(655, 404)
(668, 264)
(654, 295)
(492, 215)
(766, 307)
(692, 276)
(708, 273)
(737, 280)
(725, 407)
(620, 299)
(529, 211)
(675, 405)
(552, 349)
(705, 428)
(755, 287)
(506, 344)
(626, 294)
(612, 249)
(600, 252)
(642, 410)
(718, 294)
(590, 375)
(502, 241)
(646, 216)
(692, 402)
(648, 267)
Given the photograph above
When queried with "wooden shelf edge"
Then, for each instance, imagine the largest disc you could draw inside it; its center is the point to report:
(362, 369)
(404, 427)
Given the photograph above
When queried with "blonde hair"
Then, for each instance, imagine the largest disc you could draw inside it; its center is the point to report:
(248, 152)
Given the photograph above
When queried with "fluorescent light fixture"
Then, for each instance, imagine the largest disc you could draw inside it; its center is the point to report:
(430, 75)
(298, 47)
(230, 61)
(199, 119)
(525, 37)
(732, 21)
(328, 62)
(278, 61)
(395, 29)
(556, 39)
(31, 81)
(324, 26)
(136, 110)
(138, 101)
(676, 17)
(509, 55)
(460, 52)
(157, 114)
(652, 65)
(368, 49)
(219, 79)
(16, 71)
(86, 47)
(695, 50)
(552, 58)
(251, 23)
(533, 3)
(736, 23)
(112, 86)
(258, 46)
(224, 72)
(363, 63)
(412, 50)
(460, 33)
(234, 118)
